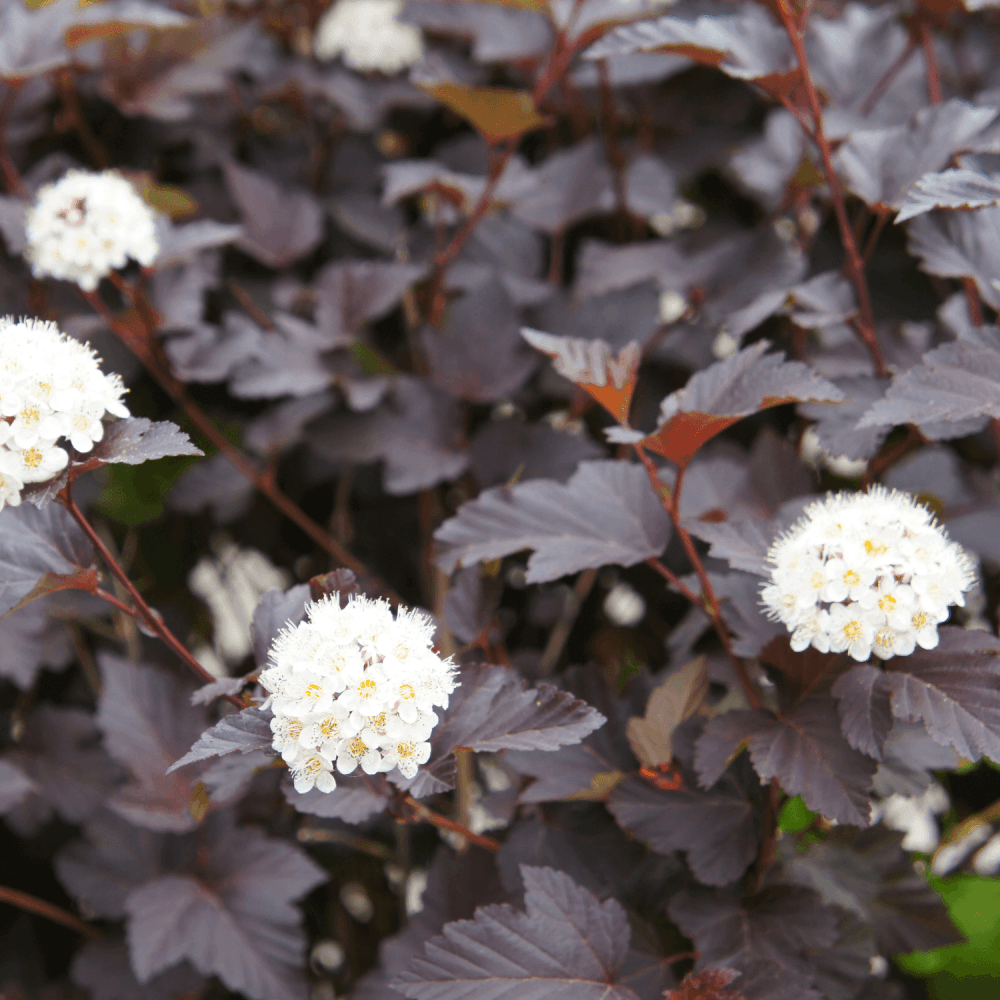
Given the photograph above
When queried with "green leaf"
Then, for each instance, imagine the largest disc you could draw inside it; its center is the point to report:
(795, 816)
(969, 970)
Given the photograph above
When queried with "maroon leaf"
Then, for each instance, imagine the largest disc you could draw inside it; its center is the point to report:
(865, 715)
(606, 514)
(148, 721)
(837, 423)
(215, 484)
(881, 165)
(41, 550)
(479, 355)
(235, 920)
(708, 985)
(498, 33)
(715, 829)
(352, 292)
(955, 689)
(567, 941)
(723, 738)
(280, 226)
(248, 731)
(869, 874)
(470, 603)
(727, 391)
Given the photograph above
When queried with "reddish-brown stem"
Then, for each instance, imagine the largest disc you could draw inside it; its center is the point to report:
(31, 904)
(142, 610)
(444, 823)
(886, 459)
(885, 81)
(674, 580)
(11, 176)
(115, 603)
(671, 503)
(261, 481)
(559, 59)
(866, 319)
(880, 221)
(609, 123)
(930, 58)
(972, 298)
(770, 842)
(74, 111)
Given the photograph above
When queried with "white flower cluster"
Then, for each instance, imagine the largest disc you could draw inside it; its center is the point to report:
(84, 225)
(866, 572)
(352, 686)
(369, 36)
(51, 387)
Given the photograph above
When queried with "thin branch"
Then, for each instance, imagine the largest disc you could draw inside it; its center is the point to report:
(142, 610)
(671, 503)
(930, 58)
(11, 175)
(885, 81)
(675, 581)
(855, 265)
(880, 221)
(972, 298)
(261, 481)
(444, 823)
(31, 904)
(114, 602)
(560, 633)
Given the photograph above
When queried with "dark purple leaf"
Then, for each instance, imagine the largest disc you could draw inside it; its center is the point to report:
(836, 423)
(352, 292)
(114, 858)
(214, 483)
(748, 45)
(236, 920)
(470, 603)
(225, 686)
(148, 721)
(881, 165)
(867, 873)
(137, 440)
(960, 245)
(277, 610)
(567, 187)
(479, 355)
(743, 544)
(606, 514)
(715, 829)
(229, 779)
(211, 353)
(416, 432)
(494, 709)
(41, 550)
(804, 750)
(779, 925)
(284, 424)
(962, 187)
(954, 689)
(248, 731)
(32, 638)
(865, 715)
(103, 969)
(766, 164)
(280, 226)
(567, 941)
(181, 243)
(14, 786)
(502, 448)
(60, 753)
(954, 382)
(741, 611)
(13, 216)
(727, 391)
(498, 33)
(356, 799)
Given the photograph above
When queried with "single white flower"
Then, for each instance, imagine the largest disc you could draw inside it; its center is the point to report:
(361, 749)
(85, 225)
(407, 755)
(368, 35)
(313, 769)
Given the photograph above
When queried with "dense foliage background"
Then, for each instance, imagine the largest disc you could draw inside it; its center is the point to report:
(638, 779)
